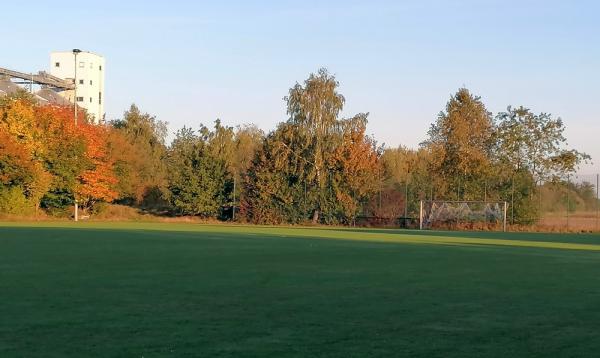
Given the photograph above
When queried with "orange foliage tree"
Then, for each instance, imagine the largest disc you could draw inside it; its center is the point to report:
(45, 158)
(97, 181)
(356, 166)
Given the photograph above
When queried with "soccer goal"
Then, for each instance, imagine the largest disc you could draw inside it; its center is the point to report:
(465, 214)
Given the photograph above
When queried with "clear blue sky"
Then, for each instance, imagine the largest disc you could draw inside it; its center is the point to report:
(399, 60)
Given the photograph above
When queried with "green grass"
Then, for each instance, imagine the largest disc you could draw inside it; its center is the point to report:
(177, 290)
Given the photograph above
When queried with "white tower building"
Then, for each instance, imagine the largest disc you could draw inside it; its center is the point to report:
(88, 74)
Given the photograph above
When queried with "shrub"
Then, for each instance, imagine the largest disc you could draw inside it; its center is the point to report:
(13, 201)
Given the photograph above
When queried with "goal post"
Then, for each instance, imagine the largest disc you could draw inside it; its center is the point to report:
(462, 214)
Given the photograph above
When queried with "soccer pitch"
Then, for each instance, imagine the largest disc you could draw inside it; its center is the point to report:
(185, 290)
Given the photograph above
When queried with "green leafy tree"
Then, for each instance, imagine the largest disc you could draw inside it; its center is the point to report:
(196, 177)
(314, 109)
(531, 150)
(536, 142)
(273, 190)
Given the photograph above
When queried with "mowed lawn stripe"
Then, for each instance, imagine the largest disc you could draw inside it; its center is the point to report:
(379, 236)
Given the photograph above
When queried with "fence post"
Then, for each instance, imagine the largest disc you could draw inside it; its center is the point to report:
(485, 192)
(505, 210)
(421, 215)
(512, 200)
(405, 203)
(597, 199)
(568, 198)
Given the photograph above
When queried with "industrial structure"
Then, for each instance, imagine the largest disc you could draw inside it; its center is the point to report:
(75, 77)
(87, 70)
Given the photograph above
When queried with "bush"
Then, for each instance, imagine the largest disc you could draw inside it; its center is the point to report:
(13, 201)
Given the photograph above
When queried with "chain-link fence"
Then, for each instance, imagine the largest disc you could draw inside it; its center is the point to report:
(569, 204)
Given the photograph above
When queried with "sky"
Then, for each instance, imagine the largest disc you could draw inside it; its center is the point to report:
(193, 62)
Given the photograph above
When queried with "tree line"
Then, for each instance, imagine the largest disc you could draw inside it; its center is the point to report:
(316, 166)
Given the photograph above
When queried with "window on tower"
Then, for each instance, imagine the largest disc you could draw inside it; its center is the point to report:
(81, 64)
(91, 82)
(80, 82)
(56, 64)
(79, 99)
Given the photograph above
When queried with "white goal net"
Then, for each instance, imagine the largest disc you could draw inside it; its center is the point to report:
(462, 215)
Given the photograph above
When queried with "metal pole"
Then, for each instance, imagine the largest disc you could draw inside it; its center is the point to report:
(568, 199)
(75, 52)
(421, 215)
(504, 223)
(512, 201)
(458, 191)
(380, 188)
(485, 192)
(597, 199)
(75, 89)
(233, 208)
(405, 203)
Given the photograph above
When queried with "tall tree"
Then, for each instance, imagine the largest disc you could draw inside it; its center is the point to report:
(138, 146)
(536, 142)
(315, 164)
(356, 165)
(97, 182)
(460, 142)
(196, 176)
(274, 191)
(314, 109)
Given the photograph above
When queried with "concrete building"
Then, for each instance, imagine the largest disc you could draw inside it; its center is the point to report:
(88, 76)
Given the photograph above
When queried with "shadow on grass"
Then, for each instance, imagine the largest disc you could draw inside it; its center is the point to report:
(150, 231)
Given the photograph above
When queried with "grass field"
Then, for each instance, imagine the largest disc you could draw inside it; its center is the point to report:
(182, 290)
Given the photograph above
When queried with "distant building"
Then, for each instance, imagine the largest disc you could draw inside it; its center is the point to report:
(88, 76)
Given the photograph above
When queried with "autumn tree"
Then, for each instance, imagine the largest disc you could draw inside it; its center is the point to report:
(354, 164)
(64, 161)
(138, 147)
(97, 181)
(460, 142)
(315, 165)
(63, 155)
(248, 139)
(406, 180)
(23, 180)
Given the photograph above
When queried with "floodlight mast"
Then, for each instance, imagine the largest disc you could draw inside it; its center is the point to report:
(75, 52)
